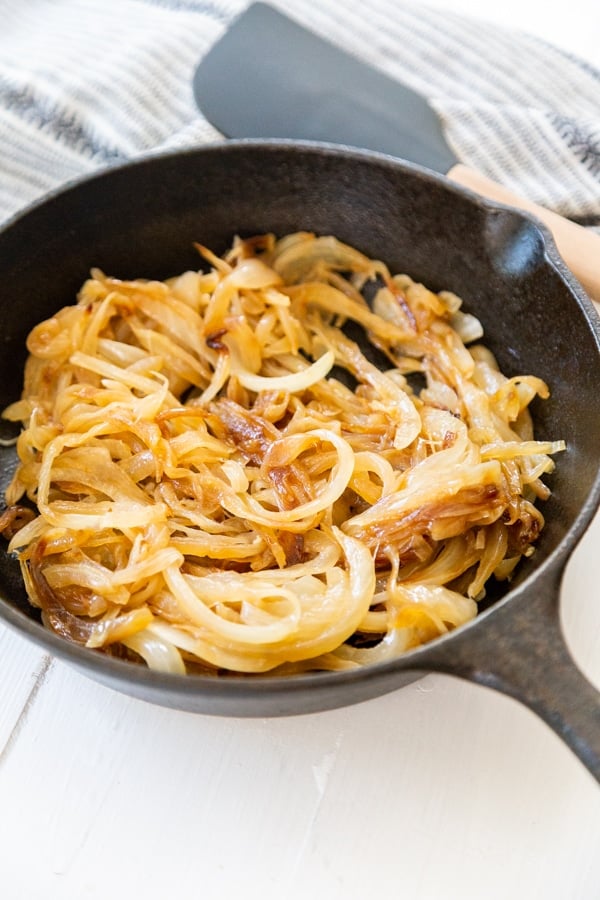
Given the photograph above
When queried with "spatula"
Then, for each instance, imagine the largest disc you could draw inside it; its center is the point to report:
(269, 77)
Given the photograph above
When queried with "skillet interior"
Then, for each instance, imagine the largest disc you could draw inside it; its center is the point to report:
(140, 221)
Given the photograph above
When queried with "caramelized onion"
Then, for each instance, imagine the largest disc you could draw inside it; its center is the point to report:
(225, 480)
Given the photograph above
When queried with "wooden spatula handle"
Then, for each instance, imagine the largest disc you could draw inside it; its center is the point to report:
(579, 247)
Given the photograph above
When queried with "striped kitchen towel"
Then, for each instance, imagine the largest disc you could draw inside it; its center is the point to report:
(86, 84)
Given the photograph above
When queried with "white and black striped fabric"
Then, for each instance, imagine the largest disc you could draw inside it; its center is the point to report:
(89, 83)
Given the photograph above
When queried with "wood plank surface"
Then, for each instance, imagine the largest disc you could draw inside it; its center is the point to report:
(23, 668)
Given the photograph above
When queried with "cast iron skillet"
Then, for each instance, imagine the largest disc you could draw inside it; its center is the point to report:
(141, 219)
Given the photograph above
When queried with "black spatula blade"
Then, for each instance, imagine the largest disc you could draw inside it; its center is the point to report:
(269, 77)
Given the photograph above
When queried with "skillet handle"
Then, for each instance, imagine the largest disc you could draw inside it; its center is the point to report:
(521, 651)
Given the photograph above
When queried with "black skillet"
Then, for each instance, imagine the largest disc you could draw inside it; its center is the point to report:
(141, 220)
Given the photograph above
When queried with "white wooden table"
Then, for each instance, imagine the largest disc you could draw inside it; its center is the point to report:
(440, 791)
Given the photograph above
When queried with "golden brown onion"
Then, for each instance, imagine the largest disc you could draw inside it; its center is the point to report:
(224, 480)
